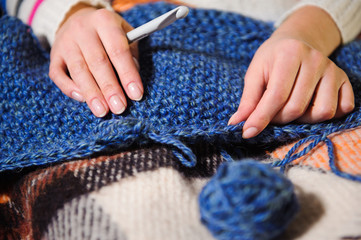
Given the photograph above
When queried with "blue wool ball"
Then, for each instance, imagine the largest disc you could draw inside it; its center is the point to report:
(247, 200)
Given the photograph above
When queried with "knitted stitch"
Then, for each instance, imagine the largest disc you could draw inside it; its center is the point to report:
(192, 72)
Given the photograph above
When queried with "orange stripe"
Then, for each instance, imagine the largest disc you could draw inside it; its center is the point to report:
(123, 5)
(347, 150)
(4, 198)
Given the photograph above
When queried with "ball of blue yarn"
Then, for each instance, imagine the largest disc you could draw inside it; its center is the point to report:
(247, 200)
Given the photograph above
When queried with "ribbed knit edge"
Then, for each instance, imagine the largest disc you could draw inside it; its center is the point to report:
(345, 13)
(51, 14)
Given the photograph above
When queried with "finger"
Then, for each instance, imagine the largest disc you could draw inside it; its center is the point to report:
(307, 79)
(134, 46)
(275, 96)
(80, 74)
(346, 100)
(254, 85)
(102, 71)
(325, 99)
(57, 73)
(118, 50)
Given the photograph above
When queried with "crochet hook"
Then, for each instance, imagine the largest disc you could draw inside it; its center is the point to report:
(157, 24)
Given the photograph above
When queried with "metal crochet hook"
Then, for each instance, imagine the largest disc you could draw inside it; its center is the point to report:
(157, 24)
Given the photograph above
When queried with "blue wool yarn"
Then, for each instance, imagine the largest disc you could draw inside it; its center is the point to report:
(247, 200)
(192, 72)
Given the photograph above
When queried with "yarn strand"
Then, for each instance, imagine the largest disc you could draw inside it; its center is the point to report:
(314, 141)
(182, 149)
(333, 166)
(184, 103)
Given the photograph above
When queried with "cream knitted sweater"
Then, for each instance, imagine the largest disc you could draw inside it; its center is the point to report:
(45, 16)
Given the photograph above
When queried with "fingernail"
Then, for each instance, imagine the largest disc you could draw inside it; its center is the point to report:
(250, 132)
(98, 108)
(77, 96)
(135, 92)
(117, 104)
(136, 63)
(230, 121)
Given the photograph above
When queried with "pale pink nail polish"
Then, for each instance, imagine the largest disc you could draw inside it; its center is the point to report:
(98, 108)
(116, 104)
(230, 121)
(77, 96)
(250, 132)
(135, 92)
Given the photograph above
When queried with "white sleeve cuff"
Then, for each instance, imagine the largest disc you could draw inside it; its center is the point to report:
(51, 14)
(345, 13)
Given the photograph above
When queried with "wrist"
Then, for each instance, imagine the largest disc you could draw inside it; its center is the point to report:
(313, 26)
(77, 8)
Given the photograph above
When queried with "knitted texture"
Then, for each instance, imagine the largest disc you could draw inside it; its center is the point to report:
(192, 72)
(247, 200)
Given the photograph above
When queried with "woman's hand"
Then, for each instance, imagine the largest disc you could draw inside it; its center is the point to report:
(289, 79)
(90, 55)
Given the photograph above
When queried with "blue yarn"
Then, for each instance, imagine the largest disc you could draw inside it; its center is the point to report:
(192, 72)
(2, 6)
(247, 200)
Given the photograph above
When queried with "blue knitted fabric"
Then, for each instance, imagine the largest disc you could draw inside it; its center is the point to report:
(2, 6)
(193, 76)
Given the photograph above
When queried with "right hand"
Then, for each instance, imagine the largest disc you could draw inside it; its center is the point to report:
(291, 77)
(88, 47)
(287, 81)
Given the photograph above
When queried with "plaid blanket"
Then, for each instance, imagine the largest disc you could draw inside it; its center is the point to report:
(148, 194)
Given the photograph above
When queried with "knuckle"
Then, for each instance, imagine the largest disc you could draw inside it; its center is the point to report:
(278, 96)
(98, 60)
(103, 15)
(53, 72)
(77, 67)
(127, 75)
(90, 94)
(77, 23)
(263, 120)
(67, 51)
(343, 76)
(318, 58)
(108, 88)
(331, 73)
(294, 111)
(348, 107)
(293, 46)
(119, 51)
(333, 70)
(326, 113)
(347, 104)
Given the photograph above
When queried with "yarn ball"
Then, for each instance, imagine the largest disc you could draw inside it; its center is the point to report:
(247, 200)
